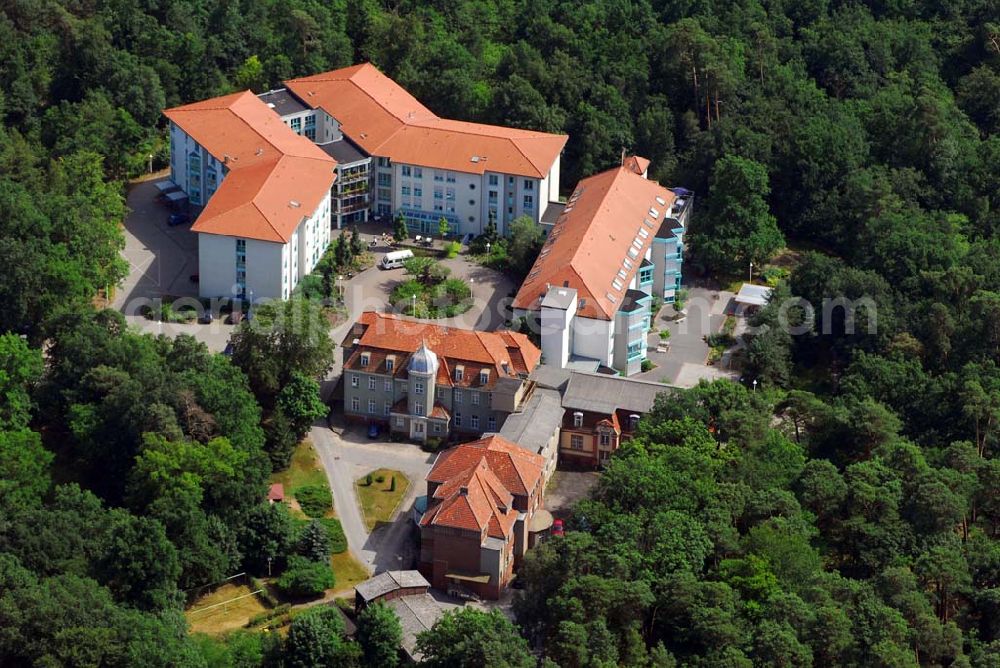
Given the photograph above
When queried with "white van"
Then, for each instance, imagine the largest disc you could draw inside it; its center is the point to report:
(395, 259)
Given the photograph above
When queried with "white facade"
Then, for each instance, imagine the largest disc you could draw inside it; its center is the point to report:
(231, 266)
(195, 171)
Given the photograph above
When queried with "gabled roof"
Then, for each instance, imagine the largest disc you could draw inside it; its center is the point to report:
(477, 484)
(603, 393)
(598, 242)
(384, 333)
(385, 120)
(637, 164)
(274, 178)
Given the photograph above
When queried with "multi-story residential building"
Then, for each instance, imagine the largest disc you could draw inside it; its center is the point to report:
(265, 193)
(351, 196)
(617, 242)
(430, 381)
(483, 499)
(600, 412)
(398, 156)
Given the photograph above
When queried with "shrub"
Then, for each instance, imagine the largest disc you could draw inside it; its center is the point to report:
(392, 484)
(729, 325)
(314, 542)
(664, 334)
(264, 594)
(315, 500)
(368, 479)
(720, 340)
(380, 479)
(338, 541)
(451, 249)
(647, 365)
(305, 578)
(432, 445)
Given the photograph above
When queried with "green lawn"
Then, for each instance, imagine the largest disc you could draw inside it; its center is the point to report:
(377, 501)
(303, 470)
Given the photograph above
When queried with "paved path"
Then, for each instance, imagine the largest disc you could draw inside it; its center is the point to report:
(346, 457)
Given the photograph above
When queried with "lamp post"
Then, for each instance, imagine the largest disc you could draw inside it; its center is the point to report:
(413, 308)
(150, 163)
(488, 249)
(755, 385)
(751, 272)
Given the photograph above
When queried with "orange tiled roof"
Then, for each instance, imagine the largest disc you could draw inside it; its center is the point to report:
(274, 177)
(589, 243)
(637, 164)
(377, 113)
(518, 469)
(386, 333)
(478, 482)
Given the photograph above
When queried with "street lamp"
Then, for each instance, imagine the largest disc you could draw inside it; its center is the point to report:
(413, 309)
(487, 249)
(755, 385)
(150, 163)
(751, 272)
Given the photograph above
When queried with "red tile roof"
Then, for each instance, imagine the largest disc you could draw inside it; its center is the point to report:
(385, 333)
(478, 482)
(276, 493)
(385, 120)
(275, 177)
(637, 164)
(590, 242)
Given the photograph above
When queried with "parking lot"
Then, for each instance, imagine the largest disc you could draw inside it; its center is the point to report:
(161, 260)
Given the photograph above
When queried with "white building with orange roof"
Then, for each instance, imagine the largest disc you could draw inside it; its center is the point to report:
(422, 165)
(616, 244)
(265, 193)
(427, 381)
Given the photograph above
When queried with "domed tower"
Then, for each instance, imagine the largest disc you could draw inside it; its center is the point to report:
(422, 368)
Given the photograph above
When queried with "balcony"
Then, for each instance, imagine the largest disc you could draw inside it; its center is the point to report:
(353, 176)
(358, 187)
(350, 208)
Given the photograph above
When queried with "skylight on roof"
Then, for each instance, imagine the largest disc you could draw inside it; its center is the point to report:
(622, 274)
(618, 285)
(661, 201)
(633, 253)
(648, 223)
(654, 213)
(637, 243)
(628, 264)
(611, 298)
(643, 233)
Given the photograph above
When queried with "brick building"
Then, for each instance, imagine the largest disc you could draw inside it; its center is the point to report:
(430, 381)
(482, 498)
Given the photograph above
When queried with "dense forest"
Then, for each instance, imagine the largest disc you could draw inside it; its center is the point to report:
(844, 514)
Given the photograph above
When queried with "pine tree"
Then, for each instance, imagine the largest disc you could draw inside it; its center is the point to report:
(314, 543)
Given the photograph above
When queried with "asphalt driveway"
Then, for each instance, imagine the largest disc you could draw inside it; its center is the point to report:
(350, 455)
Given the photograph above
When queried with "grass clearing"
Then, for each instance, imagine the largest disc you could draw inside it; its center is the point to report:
(378, 500)
(226, 617)
(347, 570)
(303, 470)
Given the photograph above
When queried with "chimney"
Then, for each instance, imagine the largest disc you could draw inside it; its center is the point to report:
(463, 490)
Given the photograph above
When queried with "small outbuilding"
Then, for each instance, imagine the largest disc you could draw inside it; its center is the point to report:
(276, 494)
(751, 298)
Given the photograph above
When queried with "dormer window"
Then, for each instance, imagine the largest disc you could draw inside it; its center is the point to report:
(365, 358)
(484, 377)
(390, 363)
(459, 373)
(633, 422)
(577, 419)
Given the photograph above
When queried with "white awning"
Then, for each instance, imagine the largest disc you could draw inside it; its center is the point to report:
(753, 295)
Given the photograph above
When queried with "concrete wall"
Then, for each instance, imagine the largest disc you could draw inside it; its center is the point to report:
(556, 334)
(592, 338)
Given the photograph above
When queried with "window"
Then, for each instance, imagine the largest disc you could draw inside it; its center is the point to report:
(418, 173)
(387, 386)
(406, 170)
(578, 419)
(494, 180)
(475, 421)
(576, 442)
(418, 408)
(459, 373)
(475, 398)
(605, 438)
(354, 380)
(399, 422)
(450, 177)
(365, 357)
(418, 191)
(389, 363)
(510, 180)
(355, 404)
(437, 428)
(458, 419)
(438, 176)
(458, 396)
(418, 387)
(450, 194)
(493, 197)
(472, 202)
(418, 427)
(633, 422)
(439, 193)
(529, 184)
(387, 408)
(492, 422)
(385, 179)
(472, 186)
(529, 203)
(484, 377)
(371, 406)
(371, 383)
(296, 125)
(405, 190)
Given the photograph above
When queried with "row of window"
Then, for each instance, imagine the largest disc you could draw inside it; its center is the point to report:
(418, 409)
(418, 388)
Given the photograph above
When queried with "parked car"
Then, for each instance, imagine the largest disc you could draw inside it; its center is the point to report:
(206, 318)
(178, 219)
(557, 528)
(373, 430)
